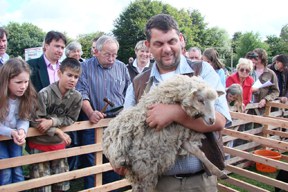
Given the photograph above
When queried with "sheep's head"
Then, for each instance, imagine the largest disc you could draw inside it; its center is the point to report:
(199, 102)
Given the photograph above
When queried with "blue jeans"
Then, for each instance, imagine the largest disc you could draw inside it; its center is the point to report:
(74, 160)
(9, 149)
(87, 137)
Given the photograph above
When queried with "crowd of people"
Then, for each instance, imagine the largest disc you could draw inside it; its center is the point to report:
(48, 95)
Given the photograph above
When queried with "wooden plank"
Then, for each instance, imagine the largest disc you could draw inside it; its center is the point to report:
(99, 155)
(260, 119)
(258, 177)
(280, 145)
(251, 106)
(244, 185)
(257, 158)
(243, 147)
(237, 122)
(79, 125)
(109, 186)
(233, 160)
(277, 104)
(224, 188)
(278, 133)
(48, 156)
(255, 131)
(48, 180)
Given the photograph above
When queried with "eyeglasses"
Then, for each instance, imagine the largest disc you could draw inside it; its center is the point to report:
(108, 55)
(246, 70)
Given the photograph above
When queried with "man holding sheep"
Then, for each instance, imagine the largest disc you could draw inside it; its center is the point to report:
(164, 41)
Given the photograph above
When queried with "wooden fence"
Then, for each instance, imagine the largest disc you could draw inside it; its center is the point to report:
(270, 133)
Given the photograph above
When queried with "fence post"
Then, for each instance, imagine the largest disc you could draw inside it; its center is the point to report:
(98, 155)
(266, 114)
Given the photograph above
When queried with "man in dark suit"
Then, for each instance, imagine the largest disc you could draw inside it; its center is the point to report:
(44, 69)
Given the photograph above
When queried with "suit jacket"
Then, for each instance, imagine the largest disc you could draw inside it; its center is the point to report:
(39, 75)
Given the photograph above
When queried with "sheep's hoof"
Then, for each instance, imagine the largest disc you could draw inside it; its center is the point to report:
(224, 176)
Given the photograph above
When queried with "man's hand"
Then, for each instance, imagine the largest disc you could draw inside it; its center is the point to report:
(283, 99)
(96, 116)
(120, 171)
(44, 124)
(160, 115)
(262, 103)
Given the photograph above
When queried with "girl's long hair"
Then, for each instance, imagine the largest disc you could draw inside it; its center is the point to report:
(212, 55)
(236, 89)
(28, 102)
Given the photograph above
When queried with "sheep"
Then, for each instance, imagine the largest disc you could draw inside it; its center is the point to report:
(146, 153)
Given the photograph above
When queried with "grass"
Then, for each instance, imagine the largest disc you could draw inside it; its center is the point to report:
(251, 181)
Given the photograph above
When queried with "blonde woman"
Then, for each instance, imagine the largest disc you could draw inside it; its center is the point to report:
(243, 78)
(142, 61)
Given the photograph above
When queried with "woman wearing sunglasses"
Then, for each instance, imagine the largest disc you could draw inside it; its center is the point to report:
(264, 74)
(242, 77)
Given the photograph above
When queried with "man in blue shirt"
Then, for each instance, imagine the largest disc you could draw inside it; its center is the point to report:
(103, 76)
(164, 41)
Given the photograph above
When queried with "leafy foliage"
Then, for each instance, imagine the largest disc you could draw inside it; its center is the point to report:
(248, 42)
(276, 45)
(284, 33)
(22, 36)
(86, 41)
(129, 27)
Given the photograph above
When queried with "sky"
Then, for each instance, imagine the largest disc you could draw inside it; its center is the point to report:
(87, 16)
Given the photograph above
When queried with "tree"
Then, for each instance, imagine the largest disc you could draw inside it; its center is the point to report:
(277, 46)
(129, 26)
(86, 41)
(22, 36)
(248, 42)
(198, 27)
(218, 39)
(284, 33)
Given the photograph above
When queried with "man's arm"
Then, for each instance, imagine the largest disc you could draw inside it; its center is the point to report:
(174, 113)
(94, 116)
(159, 115)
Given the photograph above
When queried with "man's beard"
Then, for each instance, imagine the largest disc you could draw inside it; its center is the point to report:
(171, 66)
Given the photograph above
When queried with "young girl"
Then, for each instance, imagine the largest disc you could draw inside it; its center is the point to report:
(18, 99)
(234, 98)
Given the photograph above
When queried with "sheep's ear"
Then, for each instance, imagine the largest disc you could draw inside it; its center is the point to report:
(193, 91)
(220, 93)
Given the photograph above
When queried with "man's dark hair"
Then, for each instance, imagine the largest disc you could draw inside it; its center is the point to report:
(56, 36)
(251, 55)
(161, 22)
(2, 32)
(70, 63)
(283, 59)
(262, 55)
